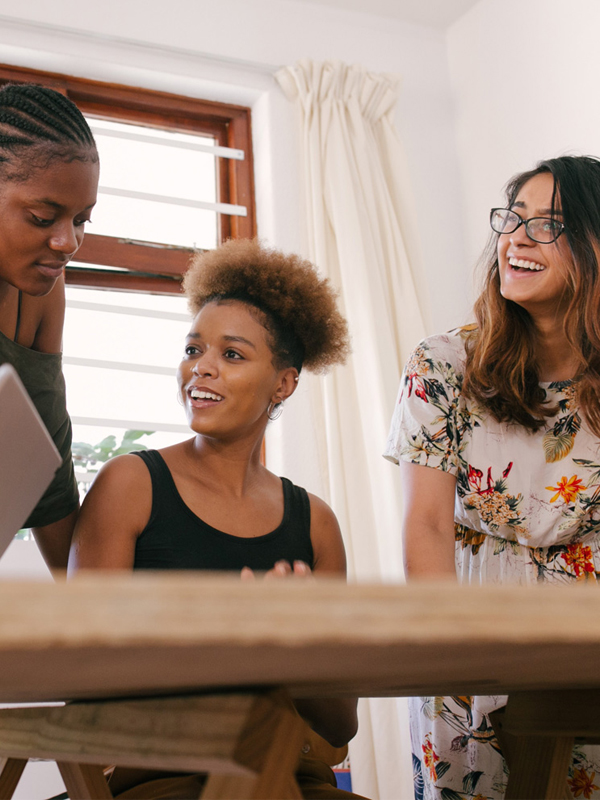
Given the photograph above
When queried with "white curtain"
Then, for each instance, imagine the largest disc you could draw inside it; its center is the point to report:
(354, 182)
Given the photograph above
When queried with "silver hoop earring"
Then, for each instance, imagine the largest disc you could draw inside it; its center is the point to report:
(275, 410)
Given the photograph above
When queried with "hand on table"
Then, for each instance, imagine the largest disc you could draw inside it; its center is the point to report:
(282, 569)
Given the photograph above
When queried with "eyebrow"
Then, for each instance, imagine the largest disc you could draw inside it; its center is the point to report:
(240, 339)
(53, 204)
(520, 204)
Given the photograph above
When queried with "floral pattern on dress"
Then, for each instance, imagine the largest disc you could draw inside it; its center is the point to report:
(527, 510)
(559, 440)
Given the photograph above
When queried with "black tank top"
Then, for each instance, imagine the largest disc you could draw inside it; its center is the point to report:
(175, 538)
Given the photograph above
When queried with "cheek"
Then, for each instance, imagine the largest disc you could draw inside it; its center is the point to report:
(502, 249)
(182, 375)
(257, 389)
(562, 258)
(561, 263)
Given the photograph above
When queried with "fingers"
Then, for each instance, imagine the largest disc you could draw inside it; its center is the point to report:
(283, 569)
(302, 569)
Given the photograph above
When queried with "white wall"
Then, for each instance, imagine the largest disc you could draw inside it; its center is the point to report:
(229, 50)
(525, 77)
(165, 50)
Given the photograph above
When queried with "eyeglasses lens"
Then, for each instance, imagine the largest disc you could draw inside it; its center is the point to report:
(504, 221)
(543, 230)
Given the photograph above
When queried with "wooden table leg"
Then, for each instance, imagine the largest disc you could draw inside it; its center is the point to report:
(84, 781)
(539, 768)
(537, 731)
(11, 770)
(271, 742)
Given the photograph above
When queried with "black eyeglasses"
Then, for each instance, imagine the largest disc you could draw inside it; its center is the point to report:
(541, 229)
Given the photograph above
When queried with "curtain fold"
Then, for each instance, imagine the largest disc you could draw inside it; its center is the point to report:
(353, 174)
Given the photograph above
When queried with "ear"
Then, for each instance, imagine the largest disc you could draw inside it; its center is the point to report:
(286, 385)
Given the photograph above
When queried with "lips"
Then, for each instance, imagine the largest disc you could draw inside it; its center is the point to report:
(52, 269)
(525, 264)
(202, 397)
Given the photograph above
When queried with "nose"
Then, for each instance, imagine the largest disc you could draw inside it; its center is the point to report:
(66, 239)
(520, 237)
(205, 365)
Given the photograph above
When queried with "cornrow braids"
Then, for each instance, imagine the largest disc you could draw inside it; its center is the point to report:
(43, 119)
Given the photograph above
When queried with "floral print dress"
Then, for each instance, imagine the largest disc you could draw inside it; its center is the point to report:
(526, 510)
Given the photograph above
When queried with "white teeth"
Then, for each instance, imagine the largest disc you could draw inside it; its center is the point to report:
(523, 264)
(196, 394)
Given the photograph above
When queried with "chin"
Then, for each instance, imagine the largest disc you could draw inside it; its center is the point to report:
(40, 288)
(200, 429)
(43, 292)
(510, 296)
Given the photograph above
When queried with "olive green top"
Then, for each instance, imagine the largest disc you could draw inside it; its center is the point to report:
(42, 376)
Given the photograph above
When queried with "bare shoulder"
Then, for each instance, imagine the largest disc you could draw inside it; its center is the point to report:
(123, 474)
(326, 538)
(123, 489)
(320, 512)
(114, 513)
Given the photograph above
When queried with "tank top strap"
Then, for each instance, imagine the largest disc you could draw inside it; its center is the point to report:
(165, 496)
(18, 325)
(296, 509)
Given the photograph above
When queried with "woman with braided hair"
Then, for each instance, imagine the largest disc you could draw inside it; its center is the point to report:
(208, 503)
(48, 185)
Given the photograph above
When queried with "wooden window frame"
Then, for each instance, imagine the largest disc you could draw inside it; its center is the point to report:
(156, 267)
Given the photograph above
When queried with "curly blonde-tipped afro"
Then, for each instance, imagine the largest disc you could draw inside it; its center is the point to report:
(299, 308)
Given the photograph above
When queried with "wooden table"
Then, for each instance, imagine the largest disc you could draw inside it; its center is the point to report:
(121, 635)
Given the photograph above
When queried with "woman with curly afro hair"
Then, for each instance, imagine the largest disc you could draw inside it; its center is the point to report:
(208, 503)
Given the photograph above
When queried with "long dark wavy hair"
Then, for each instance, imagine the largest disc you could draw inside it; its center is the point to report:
(502, 372)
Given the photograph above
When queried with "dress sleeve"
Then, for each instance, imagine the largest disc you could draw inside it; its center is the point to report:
(424, 423)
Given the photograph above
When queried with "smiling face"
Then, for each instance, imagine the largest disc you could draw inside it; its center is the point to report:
(227, 378)
(534, 275)
(42, 222)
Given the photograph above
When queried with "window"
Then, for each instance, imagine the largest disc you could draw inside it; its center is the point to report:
(176, 175)
(146, 138)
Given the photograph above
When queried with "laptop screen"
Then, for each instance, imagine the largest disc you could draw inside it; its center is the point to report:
(28, 457)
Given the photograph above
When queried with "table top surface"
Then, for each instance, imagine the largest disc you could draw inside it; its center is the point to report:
(103, 635)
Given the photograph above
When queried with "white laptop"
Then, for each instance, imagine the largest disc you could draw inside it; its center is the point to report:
(28, 457)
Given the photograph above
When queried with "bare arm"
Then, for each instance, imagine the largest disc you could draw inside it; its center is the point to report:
(41, 328)
(428, 523)
(54, 541)
(333, 718)
(114, 513)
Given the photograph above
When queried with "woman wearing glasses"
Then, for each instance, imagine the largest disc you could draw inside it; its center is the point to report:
(500, 422)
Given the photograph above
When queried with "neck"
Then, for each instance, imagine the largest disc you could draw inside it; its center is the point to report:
(230, 467)
(556, 358)
(6, 290)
